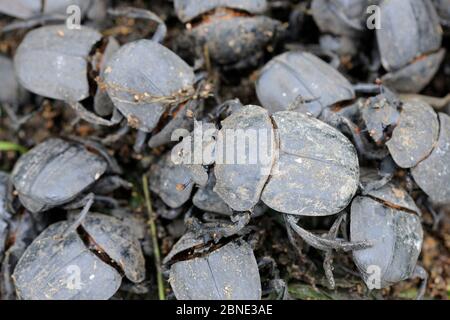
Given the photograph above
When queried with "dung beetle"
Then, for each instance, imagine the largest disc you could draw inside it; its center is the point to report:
(432, 174)
(86, 263)
(306, 168)
(409, 41)
(409, 131)
(234, 33)
(57, 172)
(52, 61)
(145, 80)
(46, 66)
(208, 271)
(96, 67)
(390, 220)
(301, 74)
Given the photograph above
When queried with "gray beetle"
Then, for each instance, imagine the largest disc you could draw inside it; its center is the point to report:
(234, 32)
(86, 263)
(224, 271)
(408, 130)
(389, 219)
(420, 142)
(104, 71)
(62, 54)
(49, 68)
(57, 172)
(144, 79)
(301, 74)
(317, 163)
(409, 41)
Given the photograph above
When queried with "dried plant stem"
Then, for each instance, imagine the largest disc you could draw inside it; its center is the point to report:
(153, 233)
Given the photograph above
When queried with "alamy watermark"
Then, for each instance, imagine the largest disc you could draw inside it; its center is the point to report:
(73, 21)
(373, 21)
(73, 280)
(229, 146)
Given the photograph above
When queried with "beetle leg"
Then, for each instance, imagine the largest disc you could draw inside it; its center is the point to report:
(368, 88)
(114, 137)
(140, 141)
(16, 121)
(109, 184)
(91, 117)
(421, 273)
(437, 217)
(324, 244)
(328, 261)
(79, 220)
(436, 103)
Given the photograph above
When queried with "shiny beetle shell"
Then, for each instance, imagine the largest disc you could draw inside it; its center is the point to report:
(316, 172)
(342, 17)
(433, 174)
(415, 134)
(54, 173)
(44, 270)
(187, 10)
(139, 74)
(394, 230)
(409, 29)
(227, 273)
(301, 74)
(52, 61)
